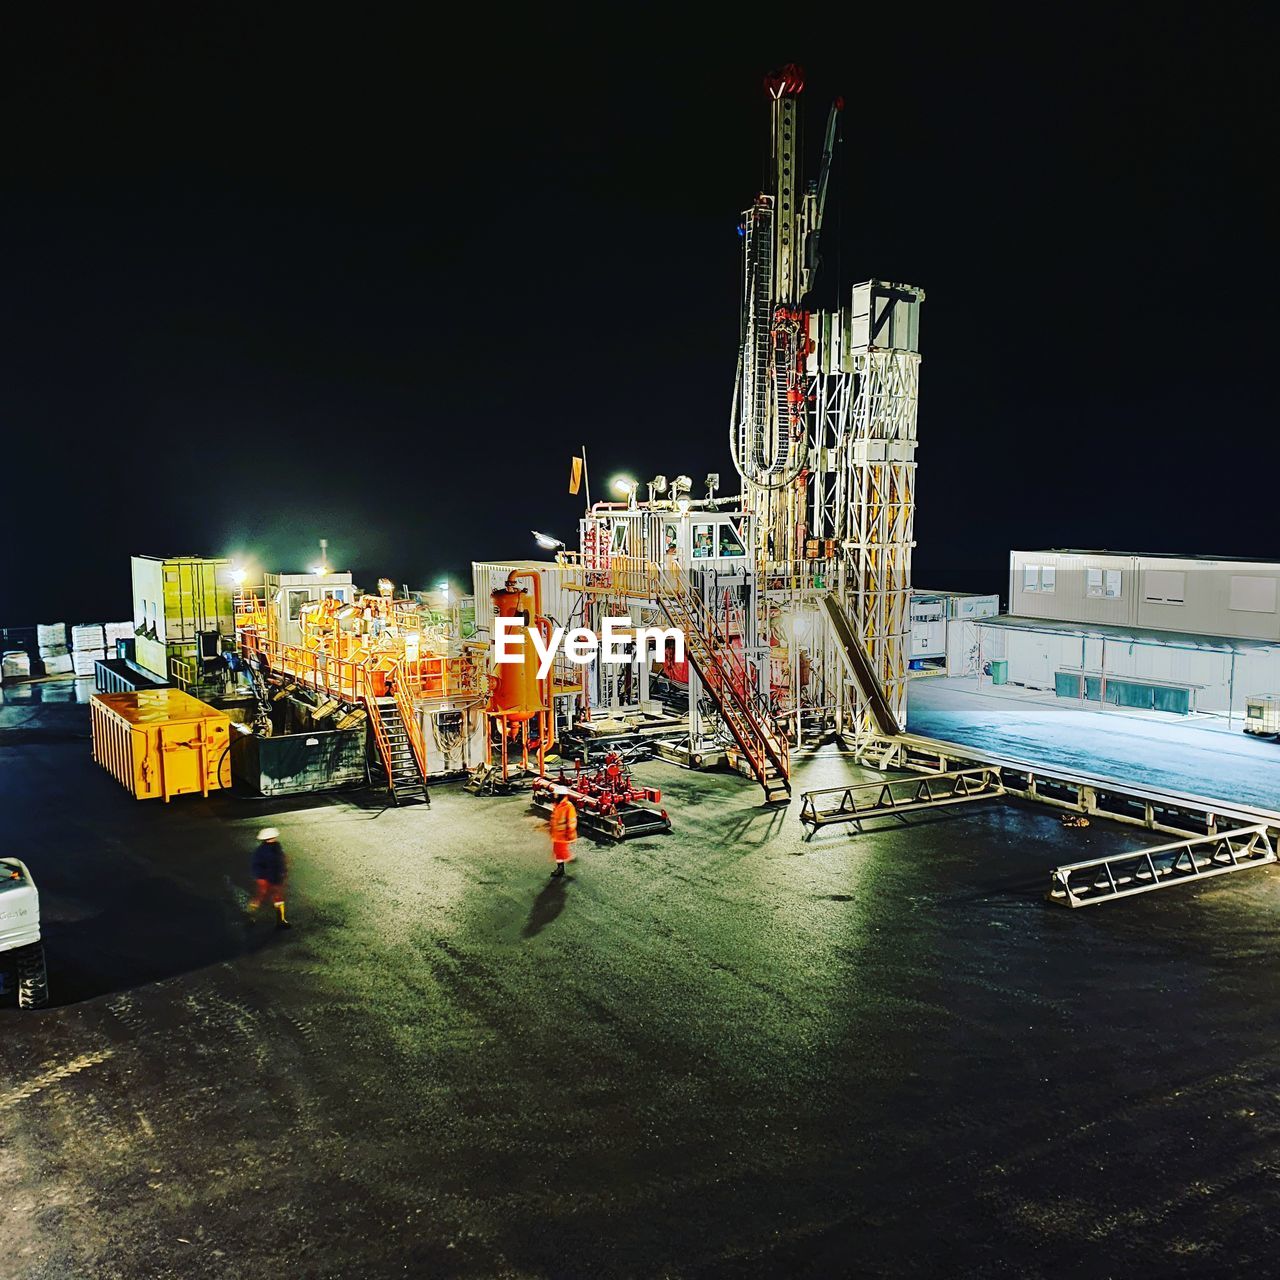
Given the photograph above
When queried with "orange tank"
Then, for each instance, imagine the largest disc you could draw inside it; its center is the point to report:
(516, 691)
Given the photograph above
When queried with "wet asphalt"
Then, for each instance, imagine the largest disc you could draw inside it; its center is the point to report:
(724, 1052)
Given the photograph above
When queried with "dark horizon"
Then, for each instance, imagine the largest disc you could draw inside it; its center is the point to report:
(270, 286)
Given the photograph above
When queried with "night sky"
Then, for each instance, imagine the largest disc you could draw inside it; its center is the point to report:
(377, 283)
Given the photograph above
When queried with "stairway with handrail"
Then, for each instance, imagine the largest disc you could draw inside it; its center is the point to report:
(399, 738)
(728, 682)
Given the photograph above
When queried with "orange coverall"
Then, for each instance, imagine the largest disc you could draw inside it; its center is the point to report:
(564, 829)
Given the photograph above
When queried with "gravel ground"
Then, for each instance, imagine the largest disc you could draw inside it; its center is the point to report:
(723, 1052)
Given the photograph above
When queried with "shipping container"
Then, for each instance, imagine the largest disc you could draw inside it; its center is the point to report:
(176, 601)
(161, 742)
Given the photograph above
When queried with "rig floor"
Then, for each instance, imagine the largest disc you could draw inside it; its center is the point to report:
(1195, 756)
(720, 1052)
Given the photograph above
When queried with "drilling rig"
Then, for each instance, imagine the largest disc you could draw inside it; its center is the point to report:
(823, 434)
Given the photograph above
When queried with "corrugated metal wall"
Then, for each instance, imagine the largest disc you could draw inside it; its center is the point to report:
(1035, 657)
(562, 606)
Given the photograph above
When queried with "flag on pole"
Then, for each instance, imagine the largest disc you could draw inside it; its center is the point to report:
(575, 478)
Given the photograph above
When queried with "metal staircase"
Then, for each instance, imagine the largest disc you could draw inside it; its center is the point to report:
(728, 683)
(406, 777)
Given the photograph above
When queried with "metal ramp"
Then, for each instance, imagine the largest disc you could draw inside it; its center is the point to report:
(1214, 836)
(891, 797)
(729, 684)
(858, 664)
(1084, 884)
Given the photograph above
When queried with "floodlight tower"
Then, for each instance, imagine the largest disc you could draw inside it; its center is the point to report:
(823, 428)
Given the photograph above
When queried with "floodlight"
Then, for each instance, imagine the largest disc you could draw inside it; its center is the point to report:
(547, 542)
(625, 486)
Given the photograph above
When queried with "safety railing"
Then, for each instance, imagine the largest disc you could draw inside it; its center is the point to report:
(184, 673)
(725, 674)
(250, 611)
(352, 681)
(614, 575)
(401, 689)
(798, 575)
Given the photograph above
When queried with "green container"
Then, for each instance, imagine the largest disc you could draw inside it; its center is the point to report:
(999, 670)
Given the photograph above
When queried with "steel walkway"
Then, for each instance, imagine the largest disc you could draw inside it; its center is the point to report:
(891, 797)
(1215, 837)
(1083, 884)
(1176, 813)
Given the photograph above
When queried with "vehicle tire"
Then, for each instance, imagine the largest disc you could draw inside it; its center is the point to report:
(33, 981)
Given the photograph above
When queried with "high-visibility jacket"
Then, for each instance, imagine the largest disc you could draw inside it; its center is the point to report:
(564, 821)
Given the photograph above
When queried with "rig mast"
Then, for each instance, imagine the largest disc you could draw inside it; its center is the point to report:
(823, 431)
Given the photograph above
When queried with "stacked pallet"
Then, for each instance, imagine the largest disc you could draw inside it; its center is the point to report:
(51, 639)
(88, 645)
(15, 665)
(117, 631)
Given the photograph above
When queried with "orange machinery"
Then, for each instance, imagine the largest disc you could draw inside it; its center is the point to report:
(518, 700)
(367, 651)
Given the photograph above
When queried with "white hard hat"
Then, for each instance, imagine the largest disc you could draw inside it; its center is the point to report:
(562, 791)
(268, 833)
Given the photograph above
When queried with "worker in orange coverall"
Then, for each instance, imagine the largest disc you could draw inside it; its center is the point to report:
(564, 830)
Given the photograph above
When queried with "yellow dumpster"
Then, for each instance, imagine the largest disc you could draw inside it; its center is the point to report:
(161, 742)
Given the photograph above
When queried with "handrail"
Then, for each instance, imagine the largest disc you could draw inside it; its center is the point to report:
(408, 714)
(711, 627)
(183, 672)
(736, 681)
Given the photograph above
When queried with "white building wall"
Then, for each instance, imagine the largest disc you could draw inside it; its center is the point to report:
(1257, 672)
(1057, 585)
(1218, 687)
(1238, 599)
(1218, 598)
(1034, 656)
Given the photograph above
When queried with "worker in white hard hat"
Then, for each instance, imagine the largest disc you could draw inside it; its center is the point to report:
(269, 869)
(564, 829)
